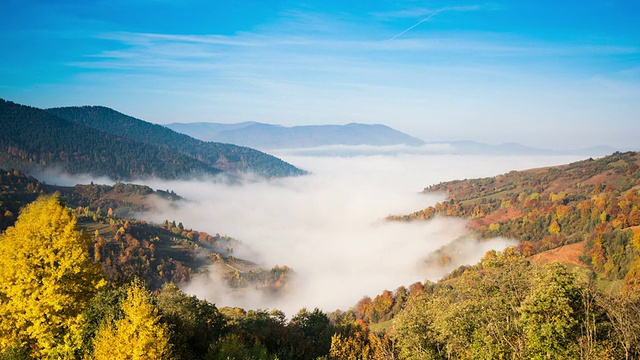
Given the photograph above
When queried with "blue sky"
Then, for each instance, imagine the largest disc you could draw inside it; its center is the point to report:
(559, 74)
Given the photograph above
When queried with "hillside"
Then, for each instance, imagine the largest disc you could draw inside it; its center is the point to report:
(226, 157)
(119, 200)
(567, 254)
(575, 271)
(128, 248)
(495, 308)
(33, 139)
(267, 136)
(595, 202)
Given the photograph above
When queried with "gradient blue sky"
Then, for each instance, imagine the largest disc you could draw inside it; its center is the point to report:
(559, 74)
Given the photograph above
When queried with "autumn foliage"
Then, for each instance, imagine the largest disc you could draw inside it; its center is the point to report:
(46, 280)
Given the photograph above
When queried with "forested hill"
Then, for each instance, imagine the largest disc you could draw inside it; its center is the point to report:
(33, 139)
(122, 200)
(128, 248)
(593, 202)
(225, 157)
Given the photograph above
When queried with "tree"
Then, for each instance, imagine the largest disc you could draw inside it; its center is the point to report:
(106, 305)
(314, 332)
(46, 280)
(138, 335)
(194, 324)
(549, 314)
(233, 347)
(354, 341)
(382, 305)
(414, 328)
(353, 344)
(554, 228)
(623, 312)
(364, 309)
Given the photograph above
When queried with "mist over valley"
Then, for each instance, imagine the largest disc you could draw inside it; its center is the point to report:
(329, 226)
(329, 180)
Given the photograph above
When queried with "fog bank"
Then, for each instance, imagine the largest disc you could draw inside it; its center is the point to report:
(328, 226)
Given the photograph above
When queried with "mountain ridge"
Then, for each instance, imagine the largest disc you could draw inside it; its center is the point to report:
(226, 157)
(321, 140)
(270, 136)
(33, 139)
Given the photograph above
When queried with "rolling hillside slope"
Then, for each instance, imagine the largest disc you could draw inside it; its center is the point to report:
(595, 202)
(227, 157)
(33, 139)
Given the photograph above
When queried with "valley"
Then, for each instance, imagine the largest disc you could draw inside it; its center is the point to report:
(328, 180)
(344, 239)
(524, 206)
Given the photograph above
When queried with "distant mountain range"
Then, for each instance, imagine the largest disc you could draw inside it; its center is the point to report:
(354, 139)
(267, 136)
(467, 147)
(103, 142)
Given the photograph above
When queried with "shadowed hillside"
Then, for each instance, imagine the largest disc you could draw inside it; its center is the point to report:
(227, 157)
(32, 139)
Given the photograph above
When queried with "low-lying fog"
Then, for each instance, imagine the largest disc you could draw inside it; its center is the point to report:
(327, 226)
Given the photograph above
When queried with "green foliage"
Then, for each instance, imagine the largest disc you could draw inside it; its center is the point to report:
(313, 331)
(306, 336)
(233, 347)
(194, 324)
(505, 307)
(32, 138)
(105, 306)
(415, 330)
(549, 314)
(15, 353)
(222, 156)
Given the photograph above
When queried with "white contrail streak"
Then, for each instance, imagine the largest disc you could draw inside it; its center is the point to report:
(420, 22)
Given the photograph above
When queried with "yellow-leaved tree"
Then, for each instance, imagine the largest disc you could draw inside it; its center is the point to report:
(138, 335)
(46, 279)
